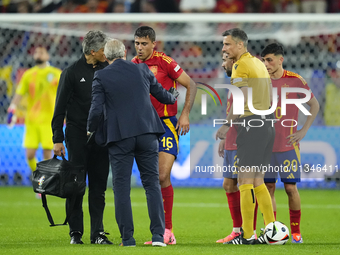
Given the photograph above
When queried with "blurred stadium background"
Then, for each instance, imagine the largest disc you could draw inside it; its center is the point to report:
(195, 42)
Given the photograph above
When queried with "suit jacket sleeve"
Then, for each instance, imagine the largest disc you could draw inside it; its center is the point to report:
(97, 104)
(64, 93)
(156, 89)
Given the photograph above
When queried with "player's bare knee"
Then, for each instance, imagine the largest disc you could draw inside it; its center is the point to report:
(30, 157)
(30, 154)
(271, 187)
(291, 189)
(230, 185)
(225, 186)
(47, 154)
(164, 177)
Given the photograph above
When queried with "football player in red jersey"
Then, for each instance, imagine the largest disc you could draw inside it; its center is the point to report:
(286, 151)
(167, 73)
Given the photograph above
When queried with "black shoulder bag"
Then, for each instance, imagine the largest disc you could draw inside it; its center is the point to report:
(59, 178)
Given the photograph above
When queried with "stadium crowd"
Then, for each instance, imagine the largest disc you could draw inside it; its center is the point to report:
(170, 6)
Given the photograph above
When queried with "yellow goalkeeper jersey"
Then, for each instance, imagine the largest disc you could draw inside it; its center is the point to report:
(40, 86)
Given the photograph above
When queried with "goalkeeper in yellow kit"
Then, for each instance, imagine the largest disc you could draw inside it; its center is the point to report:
(39, 84)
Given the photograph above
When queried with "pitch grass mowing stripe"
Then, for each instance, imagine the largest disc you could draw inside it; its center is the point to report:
(189, 205)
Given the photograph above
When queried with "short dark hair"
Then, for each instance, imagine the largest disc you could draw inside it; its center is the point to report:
(145, 31)
(273, 48)
(237, 34)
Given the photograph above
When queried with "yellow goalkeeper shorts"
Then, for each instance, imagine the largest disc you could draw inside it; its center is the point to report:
(38, 134)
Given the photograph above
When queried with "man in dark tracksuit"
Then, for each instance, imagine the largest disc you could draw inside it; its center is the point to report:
(73, 101)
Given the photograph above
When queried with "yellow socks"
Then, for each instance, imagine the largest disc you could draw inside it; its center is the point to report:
(265, 203)
(32, 163)
(247, 200)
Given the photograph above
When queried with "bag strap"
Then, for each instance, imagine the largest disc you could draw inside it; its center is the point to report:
(72, 203)
(48, 213)
(62, 156)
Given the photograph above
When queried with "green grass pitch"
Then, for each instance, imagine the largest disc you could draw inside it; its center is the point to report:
(200, 217)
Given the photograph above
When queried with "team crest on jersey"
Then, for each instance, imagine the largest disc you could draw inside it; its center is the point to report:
(154, 70)
(50, 77)
(235, 66)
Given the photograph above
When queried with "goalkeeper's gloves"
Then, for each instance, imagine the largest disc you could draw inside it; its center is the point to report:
(174, 92)
(11, 117)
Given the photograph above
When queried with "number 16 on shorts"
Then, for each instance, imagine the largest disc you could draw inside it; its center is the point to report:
(169, 141)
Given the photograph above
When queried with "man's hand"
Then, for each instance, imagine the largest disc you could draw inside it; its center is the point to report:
(11, 117)
(183, 124)
(58, 149)
(11, 108)
(222, 132)
(296, 137)
(174, 92)
(90, 138)
(221, 148)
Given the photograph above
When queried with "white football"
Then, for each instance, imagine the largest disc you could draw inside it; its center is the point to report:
(276, 233)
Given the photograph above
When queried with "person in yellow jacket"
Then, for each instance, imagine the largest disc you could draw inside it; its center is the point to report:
(39, 84)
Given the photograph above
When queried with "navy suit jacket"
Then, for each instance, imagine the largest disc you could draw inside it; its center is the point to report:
(121, 105)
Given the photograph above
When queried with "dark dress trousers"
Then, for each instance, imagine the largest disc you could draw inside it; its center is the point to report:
(130, 128)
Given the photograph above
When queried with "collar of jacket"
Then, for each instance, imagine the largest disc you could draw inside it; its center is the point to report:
(99, 65)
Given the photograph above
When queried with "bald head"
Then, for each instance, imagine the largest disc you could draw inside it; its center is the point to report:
(114, 49)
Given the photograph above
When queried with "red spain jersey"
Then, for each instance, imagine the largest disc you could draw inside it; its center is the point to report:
(230, 143)
(292, 80)
(166, 71)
